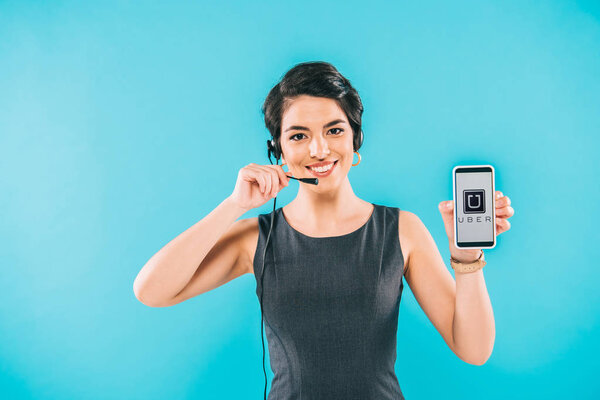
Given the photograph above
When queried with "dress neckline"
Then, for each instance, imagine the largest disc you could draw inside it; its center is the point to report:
(328, 237)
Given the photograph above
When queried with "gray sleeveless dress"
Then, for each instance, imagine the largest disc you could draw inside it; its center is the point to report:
(331, 309)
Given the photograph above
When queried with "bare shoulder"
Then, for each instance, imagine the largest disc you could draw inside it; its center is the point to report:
(407, 221)
(249, 230)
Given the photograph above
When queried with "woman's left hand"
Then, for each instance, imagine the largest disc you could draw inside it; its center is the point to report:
(503, 212)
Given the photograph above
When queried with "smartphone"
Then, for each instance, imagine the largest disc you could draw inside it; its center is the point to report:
(474, 206)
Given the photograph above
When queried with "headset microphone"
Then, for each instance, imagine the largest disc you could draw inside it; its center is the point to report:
(312, 181)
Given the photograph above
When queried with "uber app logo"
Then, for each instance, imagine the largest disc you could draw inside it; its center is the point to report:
(474, 201)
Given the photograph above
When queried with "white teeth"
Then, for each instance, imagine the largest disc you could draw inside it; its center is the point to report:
(322, 169)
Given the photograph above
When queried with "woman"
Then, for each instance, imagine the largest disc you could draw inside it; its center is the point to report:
(333, 268)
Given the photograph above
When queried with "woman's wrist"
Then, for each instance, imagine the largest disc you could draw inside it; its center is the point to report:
(466, 256)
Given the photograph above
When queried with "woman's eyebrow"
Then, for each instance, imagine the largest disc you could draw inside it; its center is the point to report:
(303, 128)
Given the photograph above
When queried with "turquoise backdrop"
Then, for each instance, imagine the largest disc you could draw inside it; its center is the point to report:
(124, 123)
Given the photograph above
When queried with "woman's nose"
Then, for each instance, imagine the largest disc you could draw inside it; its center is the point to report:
(318, 147)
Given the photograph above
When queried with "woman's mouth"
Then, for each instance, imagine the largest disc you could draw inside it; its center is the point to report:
(326, 171)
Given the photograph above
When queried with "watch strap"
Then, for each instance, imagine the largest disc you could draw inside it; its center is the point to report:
(461, 267)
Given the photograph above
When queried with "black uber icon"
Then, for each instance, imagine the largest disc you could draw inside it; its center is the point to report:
(474, 201)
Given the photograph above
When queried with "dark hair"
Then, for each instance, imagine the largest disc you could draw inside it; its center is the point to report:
(313, 78)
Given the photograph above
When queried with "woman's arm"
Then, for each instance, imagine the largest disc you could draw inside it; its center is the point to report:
(461, 311)
(169, 271)
(474, 329)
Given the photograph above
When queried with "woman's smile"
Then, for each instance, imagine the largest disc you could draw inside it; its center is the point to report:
(322, 172)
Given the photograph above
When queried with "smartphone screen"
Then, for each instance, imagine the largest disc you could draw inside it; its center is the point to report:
(474, 207)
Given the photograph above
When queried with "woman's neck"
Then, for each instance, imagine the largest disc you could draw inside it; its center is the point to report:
(327, 210)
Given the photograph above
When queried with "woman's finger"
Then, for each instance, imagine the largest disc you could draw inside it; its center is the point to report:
(505, 212)
(283, 178)
(262, 183)
(503, 202)
(274, 182)
(268, 183)
(268, 173)
(502, 225)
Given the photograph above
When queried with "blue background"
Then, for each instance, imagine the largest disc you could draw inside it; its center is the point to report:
(124, 123)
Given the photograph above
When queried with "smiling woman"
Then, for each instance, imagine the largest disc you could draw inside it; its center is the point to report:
(332, 279)
(329, 266)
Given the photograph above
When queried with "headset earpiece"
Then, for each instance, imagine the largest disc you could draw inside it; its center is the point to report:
(360, 140)
(272, 149)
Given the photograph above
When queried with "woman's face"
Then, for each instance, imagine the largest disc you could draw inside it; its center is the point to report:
(313, 130)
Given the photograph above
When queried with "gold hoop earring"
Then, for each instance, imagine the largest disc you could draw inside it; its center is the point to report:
(358, 154)
(283, 165)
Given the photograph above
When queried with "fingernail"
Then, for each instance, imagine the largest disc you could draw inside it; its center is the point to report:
(449, 204)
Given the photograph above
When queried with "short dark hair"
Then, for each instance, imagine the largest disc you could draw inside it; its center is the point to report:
(313, 78)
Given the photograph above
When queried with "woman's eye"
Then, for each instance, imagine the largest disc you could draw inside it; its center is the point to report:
(302, 134)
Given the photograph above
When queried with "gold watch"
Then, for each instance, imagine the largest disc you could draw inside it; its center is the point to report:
(461, 267)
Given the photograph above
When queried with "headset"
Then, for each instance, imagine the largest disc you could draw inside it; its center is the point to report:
(273, 148)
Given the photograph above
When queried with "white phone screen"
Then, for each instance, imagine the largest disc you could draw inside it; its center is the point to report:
(474, 213)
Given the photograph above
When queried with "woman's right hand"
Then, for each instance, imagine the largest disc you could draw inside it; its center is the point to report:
(257, 184)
